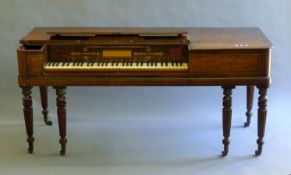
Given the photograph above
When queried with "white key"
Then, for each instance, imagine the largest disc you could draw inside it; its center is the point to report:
(134, 65)
(159, 65)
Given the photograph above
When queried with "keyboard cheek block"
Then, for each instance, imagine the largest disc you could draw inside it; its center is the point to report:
(34, 58)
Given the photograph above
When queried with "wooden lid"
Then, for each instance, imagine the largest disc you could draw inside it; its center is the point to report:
(200, 38)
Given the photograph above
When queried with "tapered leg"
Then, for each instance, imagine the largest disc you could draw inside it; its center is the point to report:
(250, 99)
(44, 104)
(61, 105)
(262, 116)
(226, 118)
(28, 116)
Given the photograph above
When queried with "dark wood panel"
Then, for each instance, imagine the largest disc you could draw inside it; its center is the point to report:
(21, 62)
(263, 81)
(226, 63)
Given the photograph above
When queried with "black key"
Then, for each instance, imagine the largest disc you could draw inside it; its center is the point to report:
(74, 64)
(177, 64)
(64, 63)
(68, 63)
(82, 63)
(57, 64)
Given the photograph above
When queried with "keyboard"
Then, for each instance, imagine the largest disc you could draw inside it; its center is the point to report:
(116, 66)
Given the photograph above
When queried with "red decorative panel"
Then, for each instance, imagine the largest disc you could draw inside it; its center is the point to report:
(175, 53)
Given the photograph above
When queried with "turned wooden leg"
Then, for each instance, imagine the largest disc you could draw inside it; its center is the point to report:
(61, 105)
(262, 116)
(44, 104)
(250, 99)
(226, 118)
(28, 116)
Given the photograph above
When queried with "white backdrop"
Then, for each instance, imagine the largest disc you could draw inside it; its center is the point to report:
(17, 17)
